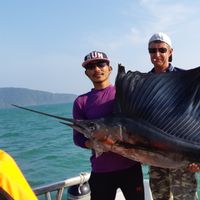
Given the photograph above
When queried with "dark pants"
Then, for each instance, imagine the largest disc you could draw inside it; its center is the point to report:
(103, 186)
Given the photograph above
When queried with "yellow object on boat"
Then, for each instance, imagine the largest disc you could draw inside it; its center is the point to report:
(13, 184)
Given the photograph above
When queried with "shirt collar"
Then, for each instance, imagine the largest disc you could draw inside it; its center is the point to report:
(169, 69)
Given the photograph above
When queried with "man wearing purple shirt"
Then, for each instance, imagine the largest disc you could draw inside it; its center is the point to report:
(110, 171)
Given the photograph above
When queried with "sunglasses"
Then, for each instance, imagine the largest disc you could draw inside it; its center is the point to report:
(155, 50)
(93, 65)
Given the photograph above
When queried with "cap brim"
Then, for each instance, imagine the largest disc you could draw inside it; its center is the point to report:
(95, 59)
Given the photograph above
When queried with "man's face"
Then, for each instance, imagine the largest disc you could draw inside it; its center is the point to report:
(98, 71)
(159, 54)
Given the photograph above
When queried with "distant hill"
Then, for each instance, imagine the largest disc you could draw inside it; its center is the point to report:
(26, 97)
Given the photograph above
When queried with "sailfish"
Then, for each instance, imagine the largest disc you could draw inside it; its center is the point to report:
(156, 119)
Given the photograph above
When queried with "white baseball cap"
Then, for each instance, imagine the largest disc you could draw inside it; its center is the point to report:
(161, 37)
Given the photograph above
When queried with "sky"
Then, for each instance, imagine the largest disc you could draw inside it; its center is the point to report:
(43, 42)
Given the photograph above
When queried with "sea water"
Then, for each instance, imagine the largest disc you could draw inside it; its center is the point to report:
(42, 147)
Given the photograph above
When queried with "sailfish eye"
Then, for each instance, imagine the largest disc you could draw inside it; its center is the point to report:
(92, 126)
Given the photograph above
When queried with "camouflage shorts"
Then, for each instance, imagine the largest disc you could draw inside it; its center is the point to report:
(171, 184)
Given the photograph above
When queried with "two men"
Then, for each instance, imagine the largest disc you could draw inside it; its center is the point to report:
(164, 183)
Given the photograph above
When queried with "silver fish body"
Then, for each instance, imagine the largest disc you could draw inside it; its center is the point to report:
(139, 141)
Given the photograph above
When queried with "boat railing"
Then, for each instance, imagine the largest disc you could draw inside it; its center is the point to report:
(56, 190)
(59, 187)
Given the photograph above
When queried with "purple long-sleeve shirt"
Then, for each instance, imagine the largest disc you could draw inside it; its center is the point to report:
(93, 105)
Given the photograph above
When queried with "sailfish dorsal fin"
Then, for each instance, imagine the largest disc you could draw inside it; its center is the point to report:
(167, 101)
